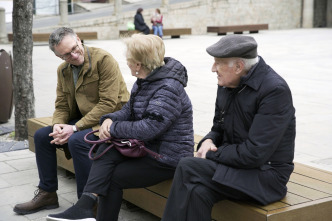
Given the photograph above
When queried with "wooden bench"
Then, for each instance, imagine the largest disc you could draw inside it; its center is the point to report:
(309, 196)
(237, 29)
(37, 37)
(173, 32)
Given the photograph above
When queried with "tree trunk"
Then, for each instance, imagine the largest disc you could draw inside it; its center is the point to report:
(24, 99)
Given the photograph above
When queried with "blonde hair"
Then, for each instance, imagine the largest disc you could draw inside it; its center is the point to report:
(149, 50)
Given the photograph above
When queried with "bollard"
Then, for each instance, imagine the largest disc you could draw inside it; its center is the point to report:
(63, 12)
(3, 32)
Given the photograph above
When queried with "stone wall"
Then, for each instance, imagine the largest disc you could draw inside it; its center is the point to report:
(279, 14)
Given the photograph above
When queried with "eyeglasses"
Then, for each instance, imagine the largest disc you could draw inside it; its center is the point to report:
(68, 55)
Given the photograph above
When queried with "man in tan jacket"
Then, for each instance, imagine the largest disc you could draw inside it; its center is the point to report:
(89, 86)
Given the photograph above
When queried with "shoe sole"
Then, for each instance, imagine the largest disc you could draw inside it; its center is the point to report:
(48, 218)
(25, 212)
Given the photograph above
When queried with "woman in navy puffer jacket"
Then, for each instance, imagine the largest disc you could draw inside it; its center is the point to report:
(159, 113)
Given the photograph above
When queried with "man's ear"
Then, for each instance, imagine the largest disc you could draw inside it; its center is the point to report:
(239, 66)
(78, 39)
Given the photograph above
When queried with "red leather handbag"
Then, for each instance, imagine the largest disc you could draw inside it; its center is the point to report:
(127, 147)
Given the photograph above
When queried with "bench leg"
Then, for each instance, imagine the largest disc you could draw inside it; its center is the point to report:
(251, 32)
(175, 36)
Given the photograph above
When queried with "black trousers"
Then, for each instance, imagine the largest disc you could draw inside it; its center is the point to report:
(194, 193)
(113, 172)
(47, 161)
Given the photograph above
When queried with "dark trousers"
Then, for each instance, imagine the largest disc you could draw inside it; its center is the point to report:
(194, 193)
(46, 158)
(113, 172)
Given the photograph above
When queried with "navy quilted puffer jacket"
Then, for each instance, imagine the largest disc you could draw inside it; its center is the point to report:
(159, 112)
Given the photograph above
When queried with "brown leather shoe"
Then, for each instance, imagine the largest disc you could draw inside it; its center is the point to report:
(42, 200)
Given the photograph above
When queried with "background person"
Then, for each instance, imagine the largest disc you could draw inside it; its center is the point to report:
(139, 22)
(157, 23)
(159, 113)
(89, 85)
(248, 154)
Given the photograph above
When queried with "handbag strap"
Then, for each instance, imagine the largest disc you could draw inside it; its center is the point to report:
(118, 142)
(94, 141)
(101, 154)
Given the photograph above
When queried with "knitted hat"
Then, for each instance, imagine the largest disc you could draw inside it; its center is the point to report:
(234, 46)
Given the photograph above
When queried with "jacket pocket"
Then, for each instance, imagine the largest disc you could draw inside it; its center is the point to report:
(90, 88)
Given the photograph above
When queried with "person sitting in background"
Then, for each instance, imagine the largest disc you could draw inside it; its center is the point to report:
(248, 154)
(89, 85)
(139, 22)
(159, 113)
(157, 23)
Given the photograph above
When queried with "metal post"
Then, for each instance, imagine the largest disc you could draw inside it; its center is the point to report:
(63, 12)
(3, 32)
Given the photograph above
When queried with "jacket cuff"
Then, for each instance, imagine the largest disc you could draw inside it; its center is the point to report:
(211, 155)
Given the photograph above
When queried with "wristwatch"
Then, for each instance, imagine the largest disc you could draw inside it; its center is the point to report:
(74, 128)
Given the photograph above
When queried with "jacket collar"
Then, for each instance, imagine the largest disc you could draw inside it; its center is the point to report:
(254, 78)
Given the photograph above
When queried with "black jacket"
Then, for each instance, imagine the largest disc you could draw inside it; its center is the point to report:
(139, 22)
(159, 112)
(254, 130)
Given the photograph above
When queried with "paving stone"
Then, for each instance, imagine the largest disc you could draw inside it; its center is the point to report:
(6, 146)
(4, 183)
(6, 130)
(20, 145)
(23, 164)
(7, 214)
(22, 177)
(5, 168)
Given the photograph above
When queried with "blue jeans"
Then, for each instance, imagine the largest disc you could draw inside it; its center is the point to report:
(158, 30)
(47, 163)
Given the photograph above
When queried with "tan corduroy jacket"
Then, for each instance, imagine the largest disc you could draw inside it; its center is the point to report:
(100, 89)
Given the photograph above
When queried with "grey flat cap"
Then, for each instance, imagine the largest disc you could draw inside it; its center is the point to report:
(234, 46)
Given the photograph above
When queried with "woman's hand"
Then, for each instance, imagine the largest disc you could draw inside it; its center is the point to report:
(206, 146)
(104, 130)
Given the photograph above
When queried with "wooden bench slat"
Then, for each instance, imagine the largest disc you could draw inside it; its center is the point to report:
(293, 199)
(310, 211)
(311, 183)
(313, 172)
(305, 191)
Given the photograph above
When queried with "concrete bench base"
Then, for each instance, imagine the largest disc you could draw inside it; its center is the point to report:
(309, 194)
(237, 29)
(173, 32)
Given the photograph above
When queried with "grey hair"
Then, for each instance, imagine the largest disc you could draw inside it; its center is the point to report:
(248, 62)
(57, 36)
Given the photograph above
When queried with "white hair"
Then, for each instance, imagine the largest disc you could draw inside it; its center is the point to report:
(248, 62)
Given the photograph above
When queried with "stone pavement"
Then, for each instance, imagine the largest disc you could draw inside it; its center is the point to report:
(302, 56)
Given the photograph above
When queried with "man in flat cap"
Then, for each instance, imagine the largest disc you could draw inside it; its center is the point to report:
(248, 154)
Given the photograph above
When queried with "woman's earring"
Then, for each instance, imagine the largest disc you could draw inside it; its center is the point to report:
(136, 72)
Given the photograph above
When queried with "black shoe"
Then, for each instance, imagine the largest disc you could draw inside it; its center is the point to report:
(73, 213)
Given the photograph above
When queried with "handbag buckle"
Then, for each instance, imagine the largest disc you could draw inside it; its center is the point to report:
(126, 142)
